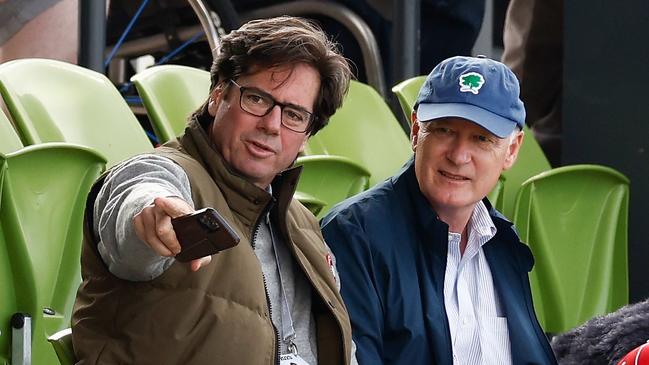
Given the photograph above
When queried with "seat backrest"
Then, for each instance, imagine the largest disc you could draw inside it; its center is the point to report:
(365, 131)
(531, 159)
(406, 92)
(53, 101)
(170, 93)
(331, 179)
(43, 199)
(9, 140)
(574, 219)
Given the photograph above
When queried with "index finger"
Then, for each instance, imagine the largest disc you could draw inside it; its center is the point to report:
(172, 206)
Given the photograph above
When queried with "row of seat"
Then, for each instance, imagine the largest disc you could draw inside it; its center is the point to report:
(573, 218)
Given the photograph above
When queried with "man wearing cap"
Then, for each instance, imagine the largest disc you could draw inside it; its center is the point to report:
(430, 271)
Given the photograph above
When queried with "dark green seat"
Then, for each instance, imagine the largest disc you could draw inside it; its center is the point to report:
(574, 219)
(54, 101)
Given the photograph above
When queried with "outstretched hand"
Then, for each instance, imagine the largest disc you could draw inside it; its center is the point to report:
(153, 227)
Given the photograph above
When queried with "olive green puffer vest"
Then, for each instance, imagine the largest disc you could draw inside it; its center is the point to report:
(219, 314)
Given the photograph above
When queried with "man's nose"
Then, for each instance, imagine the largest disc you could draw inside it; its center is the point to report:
(271, 123)
(459, 152)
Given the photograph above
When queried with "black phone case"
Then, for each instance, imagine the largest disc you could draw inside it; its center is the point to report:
(203, 233)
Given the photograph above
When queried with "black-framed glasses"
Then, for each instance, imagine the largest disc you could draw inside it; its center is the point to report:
(259, 104)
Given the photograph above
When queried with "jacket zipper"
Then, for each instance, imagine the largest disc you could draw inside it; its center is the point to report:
(270, 307)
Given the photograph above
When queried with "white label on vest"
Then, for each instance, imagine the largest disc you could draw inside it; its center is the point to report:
(290, 359)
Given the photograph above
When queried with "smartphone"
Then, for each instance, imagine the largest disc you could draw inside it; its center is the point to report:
(203, 233)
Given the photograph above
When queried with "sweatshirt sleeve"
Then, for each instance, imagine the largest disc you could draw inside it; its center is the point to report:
(129, 188)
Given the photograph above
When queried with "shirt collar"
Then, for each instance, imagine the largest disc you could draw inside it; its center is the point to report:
(481, 223)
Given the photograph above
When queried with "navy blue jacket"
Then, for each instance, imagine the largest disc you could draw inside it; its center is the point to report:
(391, 252)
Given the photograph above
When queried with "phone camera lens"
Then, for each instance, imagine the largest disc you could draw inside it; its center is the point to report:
(209, 222)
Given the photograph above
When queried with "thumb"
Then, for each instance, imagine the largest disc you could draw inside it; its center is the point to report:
(172, 206)
(194, 265)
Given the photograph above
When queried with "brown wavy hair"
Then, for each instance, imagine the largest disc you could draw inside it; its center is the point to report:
(281, 41)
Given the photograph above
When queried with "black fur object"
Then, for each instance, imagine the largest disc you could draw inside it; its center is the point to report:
(606, 339)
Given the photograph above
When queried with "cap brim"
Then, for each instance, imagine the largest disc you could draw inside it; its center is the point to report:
(494, 123)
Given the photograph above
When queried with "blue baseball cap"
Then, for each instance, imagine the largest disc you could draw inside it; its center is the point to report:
(478, 89)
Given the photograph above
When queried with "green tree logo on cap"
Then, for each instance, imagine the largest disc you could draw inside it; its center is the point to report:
(471, 82)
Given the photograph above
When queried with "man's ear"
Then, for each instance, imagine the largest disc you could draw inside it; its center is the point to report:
(513, 149)
(215, 99)
(303, 146)
(414, 131)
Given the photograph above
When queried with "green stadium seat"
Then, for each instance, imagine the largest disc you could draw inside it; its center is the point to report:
(407, 92)
(43, 195)
(365, 131)
(170, 93)
(313, 204)
(54, 101)
(574, 219)
(331, 179)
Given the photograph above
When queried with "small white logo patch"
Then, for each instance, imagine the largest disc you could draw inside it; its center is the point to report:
(471, 82)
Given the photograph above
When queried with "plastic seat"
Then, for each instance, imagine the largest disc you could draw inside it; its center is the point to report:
(53, 101)
(331, 179)
(9, 140)
(62, 344)
(313, 204)
(43, 198)
(407, 92)
(531, 159)
(170, 93)
(574, 219)
(365, 131)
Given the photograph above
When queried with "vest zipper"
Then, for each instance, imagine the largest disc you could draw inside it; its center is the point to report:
(270, 307)
(270, 313)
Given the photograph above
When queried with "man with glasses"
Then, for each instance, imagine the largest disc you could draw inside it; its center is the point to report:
(273, 298)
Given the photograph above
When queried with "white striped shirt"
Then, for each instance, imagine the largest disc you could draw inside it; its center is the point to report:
(479, 332)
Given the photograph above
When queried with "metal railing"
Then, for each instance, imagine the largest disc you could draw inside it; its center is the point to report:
(354, 23)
